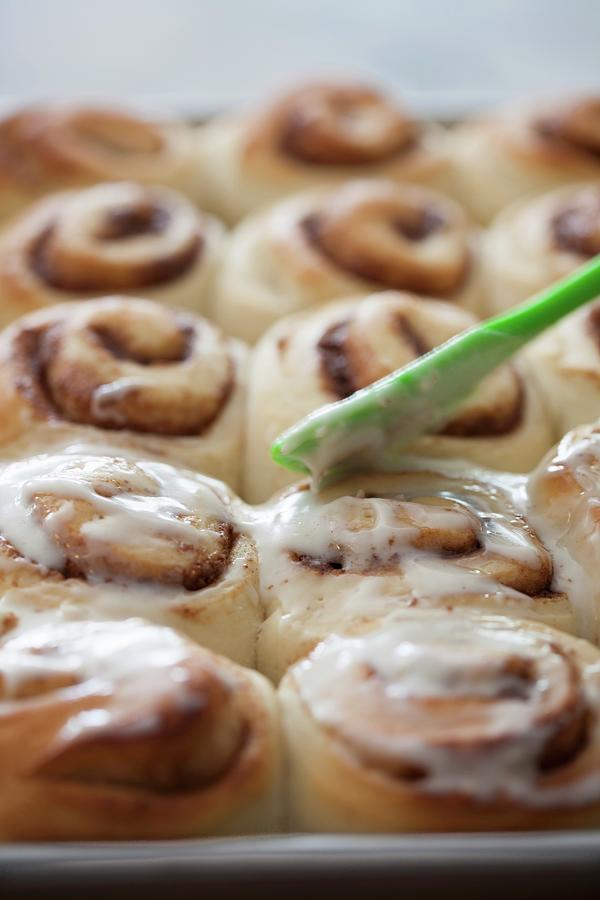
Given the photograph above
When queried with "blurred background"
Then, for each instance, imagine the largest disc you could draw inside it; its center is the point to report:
(198, 55)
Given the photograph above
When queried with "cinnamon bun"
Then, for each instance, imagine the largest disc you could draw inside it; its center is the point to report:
(45, 148)
(432, 536)
(563, 502)
(127, 730)
(537, 241)
(445, 723)
(86, 534)
(329, 243)
(318, 133)
(127, 372)
(526, 149)
(120, 237)
(565, 363)
(326, 354)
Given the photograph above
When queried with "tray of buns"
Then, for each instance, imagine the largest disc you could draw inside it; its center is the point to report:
(213, 674)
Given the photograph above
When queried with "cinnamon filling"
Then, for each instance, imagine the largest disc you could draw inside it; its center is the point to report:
(379, 270)
(593, 323)
(344, 127)
(413, 530)
(493, 422)
(430, 527)
(337, 366)
(134, 762)
(577, 127)
(420, 224)
(368, 260)
(56, 385)
(200, 573)
(58, 272)
(130, 222)
(177, 566)
(576, 229)
(115, 343)
(568, 742)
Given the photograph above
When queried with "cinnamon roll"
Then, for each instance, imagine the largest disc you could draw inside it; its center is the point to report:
(318, 133)
(431, 536)
(120, 237)
(445, 723)
(563, 501)
(329, 243)
(86, 534)
(44, 148)
(565, 363)
(126, 372)
(128, 730)
(526, 149)
(325, 355)
(537, 241)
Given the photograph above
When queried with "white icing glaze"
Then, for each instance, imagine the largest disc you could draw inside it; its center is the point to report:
(130, 666)
(150, 500)
(569, 524)
(370, 688)
(302, 524)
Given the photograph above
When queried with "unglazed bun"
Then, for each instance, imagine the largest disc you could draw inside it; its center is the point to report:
(325, 355)
(537, 241)
(525, 149)
(120, 237)
(127, 372)
(445, 723)
(328, 243)
(565, 362)
(318, 133)
(563, 502)
(127, 730)
(46, 148)
(442, 537)
(88, 535)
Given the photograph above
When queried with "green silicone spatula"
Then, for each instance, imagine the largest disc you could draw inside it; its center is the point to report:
(371, 428)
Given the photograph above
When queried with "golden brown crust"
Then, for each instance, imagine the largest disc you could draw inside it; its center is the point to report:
(131, 731)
